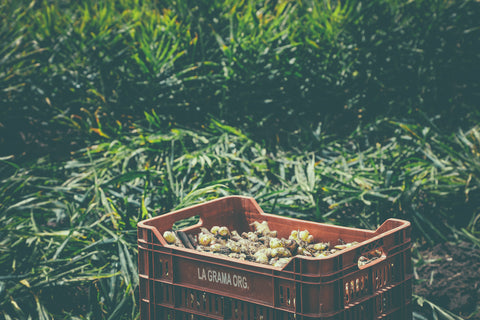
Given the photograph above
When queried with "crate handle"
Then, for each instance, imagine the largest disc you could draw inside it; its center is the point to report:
(369, 262)
(203, 210)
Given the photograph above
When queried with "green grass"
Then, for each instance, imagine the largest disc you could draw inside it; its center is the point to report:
(73, 224)
(259, 65)
(335, 111)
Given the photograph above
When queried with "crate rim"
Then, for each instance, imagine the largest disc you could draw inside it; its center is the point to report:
(145, 224)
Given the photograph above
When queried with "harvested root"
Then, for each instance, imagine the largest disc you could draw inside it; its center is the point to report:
(261, 245)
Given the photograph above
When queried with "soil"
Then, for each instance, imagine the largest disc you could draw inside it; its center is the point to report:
(450, 278)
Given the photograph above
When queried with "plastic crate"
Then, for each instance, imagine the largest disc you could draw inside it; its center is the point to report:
(181, 283)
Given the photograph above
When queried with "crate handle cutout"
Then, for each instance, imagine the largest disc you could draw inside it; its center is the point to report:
(371, 258)
(207, 211)
(187, 222)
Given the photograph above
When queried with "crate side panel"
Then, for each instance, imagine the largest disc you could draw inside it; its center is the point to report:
(161, 267)
(200, 302)
(224, 280)
(318, 299)
(356, 286)
(285, 294)
(144, 289)
(164, 294)
(142, 261)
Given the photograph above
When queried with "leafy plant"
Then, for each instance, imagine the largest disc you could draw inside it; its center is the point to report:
(334, 111)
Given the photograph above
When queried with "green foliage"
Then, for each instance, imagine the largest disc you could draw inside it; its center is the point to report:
(417, 55)
(266, 65)
(72, 225)
(69, 58)
(437, 311)
(371, 108)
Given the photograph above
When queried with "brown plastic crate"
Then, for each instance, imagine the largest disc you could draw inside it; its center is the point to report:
(181, 283)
